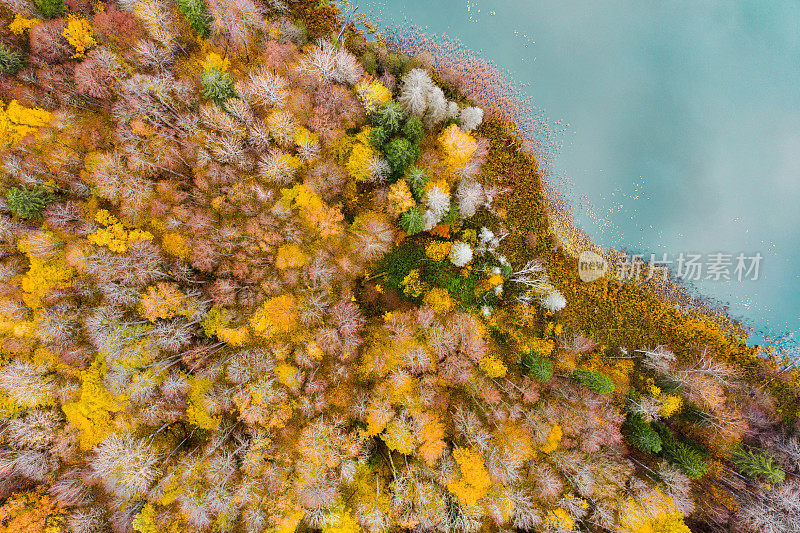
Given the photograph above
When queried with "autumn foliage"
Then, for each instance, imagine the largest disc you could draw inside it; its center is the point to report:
(260, 275)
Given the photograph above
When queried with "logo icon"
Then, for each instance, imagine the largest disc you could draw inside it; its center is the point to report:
(591, 266)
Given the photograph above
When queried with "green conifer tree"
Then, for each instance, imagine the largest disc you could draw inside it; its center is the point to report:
(757, 464)
(537, 366)
(595, 381)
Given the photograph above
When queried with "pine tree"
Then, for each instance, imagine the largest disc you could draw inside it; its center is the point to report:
(681, 454)
(595, 381)
(757, 464)
(11, 61)
(217, 84)
(412, 222)
(537, 366)
(28, 203)
(196, 12)
(400, 153)
(417, 179)
(641, 434)
(389, 117)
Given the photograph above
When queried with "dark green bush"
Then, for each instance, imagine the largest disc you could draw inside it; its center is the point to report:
(411, 221)
(397, 64)
(28, 203)
(537, 366)
(595, 381)
(50, 8)
(11, 61)
(396, 265)
(370, 61)
(641, 434)
(400, 153)
(217, 85)
(757, 464)
(413, 130)
(378, 137)
(196, 12)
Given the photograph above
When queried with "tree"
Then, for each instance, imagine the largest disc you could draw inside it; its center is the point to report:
(48, 42)
(537, 366)
(413, 130)
(389, 117)
(28, 384)
(470, 118)
(79, 34)
(196, 12)
(378, 137)
(420, 97)
(595, 381)
(265, 88)
(217, 84)
(412, 222)
(11, 61)
(127, 466)
(641, 434)
(417, 178)
(95, 75)
(50, 8)
(400, 153)
(681, 454)
(28, 203)
(757, 464)
(117, 26)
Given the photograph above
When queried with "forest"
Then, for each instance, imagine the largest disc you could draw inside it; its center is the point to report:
(264, 270)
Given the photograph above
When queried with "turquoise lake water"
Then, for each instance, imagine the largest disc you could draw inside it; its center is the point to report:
(679, 123)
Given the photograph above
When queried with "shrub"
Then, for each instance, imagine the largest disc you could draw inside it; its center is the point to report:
(537, 366)
(400, 153)
(370, 61)
(10, 60)
(641, 434)
(50, 8)
(196, 12)
(28, 203)
(594, 381)
(217, 85)
(413, 130)
(459, 287)
(397, 64)
(411, 221)
(757, 464)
